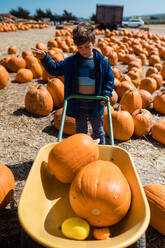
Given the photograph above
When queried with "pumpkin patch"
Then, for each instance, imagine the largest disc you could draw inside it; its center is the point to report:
(22, 132)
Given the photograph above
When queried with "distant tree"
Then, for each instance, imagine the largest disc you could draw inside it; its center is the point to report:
(39, 13)
(20, 13)
(48, 14)
(52, 17)
(57, 17)
(154, 18)
(68, 16)
(93, 18)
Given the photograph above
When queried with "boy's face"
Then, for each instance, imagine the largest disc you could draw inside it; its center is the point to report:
(86, 49)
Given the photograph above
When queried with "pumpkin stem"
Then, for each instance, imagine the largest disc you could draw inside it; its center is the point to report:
(162, 91)
(118, 106)
(39, 87)
(140, 111)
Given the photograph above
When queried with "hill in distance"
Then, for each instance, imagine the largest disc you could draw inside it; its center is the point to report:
(150, 16)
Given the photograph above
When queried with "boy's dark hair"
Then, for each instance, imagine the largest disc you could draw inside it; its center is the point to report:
(83, 32)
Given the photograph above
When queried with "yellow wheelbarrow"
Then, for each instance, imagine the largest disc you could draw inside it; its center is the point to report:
(44, 202)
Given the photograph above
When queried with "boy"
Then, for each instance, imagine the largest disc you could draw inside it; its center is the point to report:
(87, 73)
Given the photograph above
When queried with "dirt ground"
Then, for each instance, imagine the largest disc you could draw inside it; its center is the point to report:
(22, 135)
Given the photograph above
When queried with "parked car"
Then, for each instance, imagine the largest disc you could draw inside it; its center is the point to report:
(134, 23)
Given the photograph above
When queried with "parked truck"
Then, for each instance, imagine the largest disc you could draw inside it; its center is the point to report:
(109, 16)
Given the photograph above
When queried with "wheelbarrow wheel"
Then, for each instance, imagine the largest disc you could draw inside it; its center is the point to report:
(140, 243)
(27, 242)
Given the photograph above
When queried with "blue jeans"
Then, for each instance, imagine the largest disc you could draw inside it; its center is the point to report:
(96, 123)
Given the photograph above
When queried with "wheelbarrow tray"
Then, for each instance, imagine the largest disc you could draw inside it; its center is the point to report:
(44, 204)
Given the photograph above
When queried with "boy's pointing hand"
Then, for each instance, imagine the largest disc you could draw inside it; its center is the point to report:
(40, 54)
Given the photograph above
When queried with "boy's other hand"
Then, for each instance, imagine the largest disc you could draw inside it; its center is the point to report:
(103, 103)
(40, 54)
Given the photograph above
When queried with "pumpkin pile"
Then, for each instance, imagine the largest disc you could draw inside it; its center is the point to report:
(12, 27)
(99, 191)
(137, 90)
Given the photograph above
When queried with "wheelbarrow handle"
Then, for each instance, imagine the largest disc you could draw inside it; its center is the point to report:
(99, 98)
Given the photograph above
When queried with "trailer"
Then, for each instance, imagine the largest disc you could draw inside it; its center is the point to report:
(109, 16)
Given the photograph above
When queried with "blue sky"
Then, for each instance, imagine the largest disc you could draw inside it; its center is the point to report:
(85, 8)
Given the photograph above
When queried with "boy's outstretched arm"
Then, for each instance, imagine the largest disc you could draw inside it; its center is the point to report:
(53, 68)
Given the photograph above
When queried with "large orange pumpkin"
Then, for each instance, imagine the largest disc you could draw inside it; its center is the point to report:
(142, 122)
(143, 58)
(7, 185)
(26, 53)
(100, 194)
(70, 155)
(158, 66)
(24, 76)
(69, 123)
(135, 76)
(36, 69)
(158, 131)
(113, 58)
(146, 98)
(158, 78)
(15, 63)
(56, 88)
(156, 198)
(12, 50)
(38, 101)
(115, 72)
(30, 59)
(123, 86)
(52, 43)
(153, 59)
(123, 125)
(159, 102)
(42, 46)
(125, 77)
(151, 70)
(131, 100)
(149, 84)
(4, 77)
